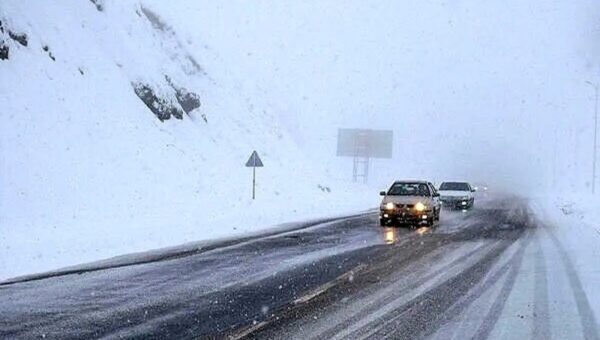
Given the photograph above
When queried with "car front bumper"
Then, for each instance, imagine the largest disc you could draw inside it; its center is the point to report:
(457, 203)
(405, 217)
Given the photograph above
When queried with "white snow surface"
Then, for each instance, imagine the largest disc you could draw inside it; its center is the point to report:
(88, 172)
(575, 221)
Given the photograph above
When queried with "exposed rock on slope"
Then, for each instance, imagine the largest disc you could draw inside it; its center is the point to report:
(46, 49)
(162, 108)
(98, 4)
(3, 50)
(188, 100)
(21, 38)
(3, 45)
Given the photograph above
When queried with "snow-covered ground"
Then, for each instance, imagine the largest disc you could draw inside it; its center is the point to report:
(88, 171)
(574, 223)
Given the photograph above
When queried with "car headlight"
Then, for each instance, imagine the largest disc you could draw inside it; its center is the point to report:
(389, 206)
(420, 206)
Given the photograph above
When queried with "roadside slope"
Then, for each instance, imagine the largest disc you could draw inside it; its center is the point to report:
(117, 136)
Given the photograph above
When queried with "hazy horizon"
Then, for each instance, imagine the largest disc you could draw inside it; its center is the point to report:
(508, 75)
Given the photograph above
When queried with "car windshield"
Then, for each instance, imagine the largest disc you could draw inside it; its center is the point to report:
(409, 189)
(455, 186)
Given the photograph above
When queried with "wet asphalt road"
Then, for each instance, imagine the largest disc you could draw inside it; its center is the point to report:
(347, 278)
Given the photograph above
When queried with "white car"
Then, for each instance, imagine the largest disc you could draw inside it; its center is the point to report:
(457, 195)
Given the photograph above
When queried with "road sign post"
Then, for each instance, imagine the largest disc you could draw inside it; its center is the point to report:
(254, 162)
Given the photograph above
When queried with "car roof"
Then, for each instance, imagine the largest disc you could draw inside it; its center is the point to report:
(412, 181)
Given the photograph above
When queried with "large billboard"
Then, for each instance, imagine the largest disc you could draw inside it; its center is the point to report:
(365, 143)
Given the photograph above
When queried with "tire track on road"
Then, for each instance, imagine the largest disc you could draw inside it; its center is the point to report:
(377, 267)
(490, 279)
(586, 314)
(357, 320)
(541, 309)
(445, 301)
(491, 318)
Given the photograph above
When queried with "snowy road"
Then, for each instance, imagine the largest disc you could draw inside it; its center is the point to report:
(493, 272)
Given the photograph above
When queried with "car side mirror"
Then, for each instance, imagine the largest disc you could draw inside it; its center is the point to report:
(382, 193)
(473, 190)
(437, 194)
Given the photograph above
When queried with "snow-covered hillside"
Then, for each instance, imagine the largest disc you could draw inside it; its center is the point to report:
(115, 136)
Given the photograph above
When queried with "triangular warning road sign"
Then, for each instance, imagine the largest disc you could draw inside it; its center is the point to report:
(254, 161)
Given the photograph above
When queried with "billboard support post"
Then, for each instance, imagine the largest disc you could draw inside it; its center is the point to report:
(362, 145)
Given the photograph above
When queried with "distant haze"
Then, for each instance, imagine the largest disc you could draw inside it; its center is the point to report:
(486, 90)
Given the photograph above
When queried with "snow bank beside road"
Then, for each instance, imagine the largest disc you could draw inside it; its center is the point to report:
(574, 221)
(43, 249)
(585, 208)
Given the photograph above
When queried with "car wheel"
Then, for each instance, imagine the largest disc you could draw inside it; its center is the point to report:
(436, 215)
(383, 223)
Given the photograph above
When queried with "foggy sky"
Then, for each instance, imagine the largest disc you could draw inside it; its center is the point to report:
(470, 88)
